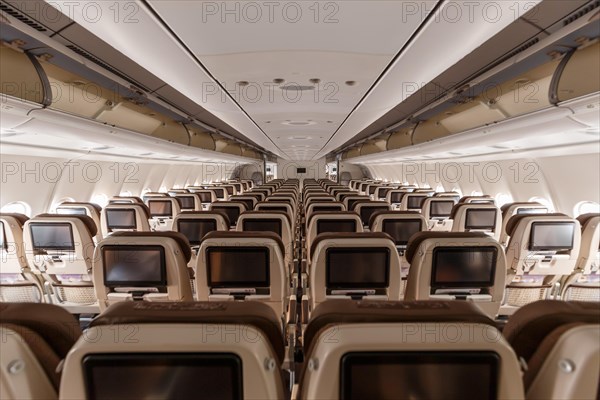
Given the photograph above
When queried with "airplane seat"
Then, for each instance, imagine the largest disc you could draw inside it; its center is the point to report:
(584, 283)
(247, 266)
(61, 248)
(277, 222)
(394, 197)
(92, 210)
(125, 200)
(463, 266)
(125, 217)
(249, 201)
(340, 195)
(517, 208)
(231, 350)
(162, 212)
(405, 350)
(233, 209)
(558, 342)
(400, 225)
(437, 211)
(542, 250)
(142, 266)
(328, 221)
(207, 196)
(366, 208)
(483, 199)
(353, 265)
(281, 207)
(18, 281)
(35, 340)
(322, 206)
(413, 201)
(194, 225)
(475, 217)
(188, 201)
(274, 198)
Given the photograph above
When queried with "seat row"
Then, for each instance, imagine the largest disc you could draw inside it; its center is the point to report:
(353, 349)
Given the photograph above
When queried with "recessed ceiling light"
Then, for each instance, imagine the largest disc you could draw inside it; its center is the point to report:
(350, 83)
(278, 80)
(242, 83)
(300, 137)
(296, 87)
(298, 123)
(314, 80)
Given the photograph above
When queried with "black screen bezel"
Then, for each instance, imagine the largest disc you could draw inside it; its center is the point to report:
(471, 284)
(420, 357)
(163, 266)
(533, 247)
(139, 359)
(239, 249)
(352, 285)
(69, 247)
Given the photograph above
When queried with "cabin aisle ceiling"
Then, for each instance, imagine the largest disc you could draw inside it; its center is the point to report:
(259, 42)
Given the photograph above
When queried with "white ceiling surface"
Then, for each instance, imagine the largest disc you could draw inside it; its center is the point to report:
(350, 41)
(357, 45)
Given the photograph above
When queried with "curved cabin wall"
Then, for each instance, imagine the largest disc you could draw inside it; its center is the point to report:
(71, 93)
(42, 182)
(558, 179)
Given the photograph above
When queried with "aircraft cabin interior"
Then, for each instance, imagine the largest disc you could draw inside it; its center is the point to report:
(300, 200)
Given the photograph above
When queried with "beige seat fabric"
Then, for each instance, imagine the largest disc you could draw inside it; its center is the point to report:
(66, 271)
(368, 250)
(510, 209)
(35, 339)
(584, 283)
(246, 335)
(435, 259)
(92, 210)
(340, 331)
(227, 247)
(474, 217)
(137, 252)
(126, 217)
(559, 342)
(534, 270)
(18, 281)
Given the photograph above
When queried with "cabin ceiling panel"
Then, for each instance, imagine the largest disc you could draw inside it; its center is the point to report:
(333, 42)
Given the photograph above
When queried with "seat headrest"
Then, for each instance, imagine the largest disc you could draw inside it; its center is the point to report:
(464, 198)
(21, 218)
(259, 315)
(331, 213)
(459, 206)
(259, 236)
(136, 198)
(179, 238)
(335, 312)
(347, 235)
(53, 323)
(87, 221)
(415, 240)
(514, 221)
(585, 218)
(184, 214)
(506, 206)
(78, 203)
(142, 206)
(262, 213)
(392, 213)
(527, 328)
